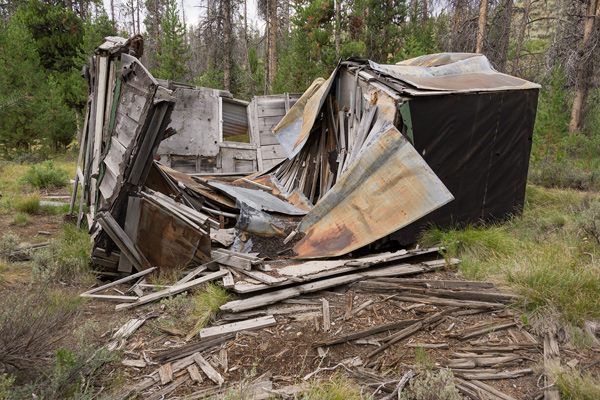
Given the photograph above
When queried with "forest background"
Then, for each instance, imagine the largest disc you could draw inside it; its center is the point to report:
(44, 44)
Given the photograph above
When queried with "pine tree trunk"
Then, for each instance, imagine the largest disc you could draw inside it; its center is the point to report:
(273, 45)
(337, 28)
(246, 47)
(481, 26)
(138, 15)
(505, 36)
(585, 67)
(425, 14)
(521, 36)
(457, 18)
(227, 33)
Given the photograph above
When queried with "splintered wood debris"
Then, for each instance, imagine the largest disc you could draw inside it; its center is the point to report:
(287, 224)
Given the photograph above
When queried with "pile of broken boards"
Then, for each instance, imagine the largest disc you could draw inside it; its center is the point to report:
(368, 322)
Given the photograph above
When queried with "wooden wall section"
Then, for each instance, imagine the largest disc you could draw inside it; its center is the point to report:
(264, 113)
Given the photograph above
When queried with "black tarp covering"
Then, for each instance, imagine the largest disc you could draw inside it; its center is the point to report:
(479, 145)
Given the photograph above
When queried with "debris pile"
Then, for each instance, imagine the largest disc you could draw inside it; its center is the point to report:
(329, 179)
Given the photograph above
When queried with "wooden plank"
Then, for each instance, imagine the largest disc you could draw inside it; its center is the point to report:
(212, 373)
(110, 297)
(166, 374)
(228, 281)
(132, 222)
(551, 361)
(326, 316)
(262, 277)
(172, 290)
(134, 363)
(119, 281)
(255, 323)
(102, 76)
(288, 293)
(493, 375)
(194, 373)
(110, 226)
(169, 389)
(272, 152)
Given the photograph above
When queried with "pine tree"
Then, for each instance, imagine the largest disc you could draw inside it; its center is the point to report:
(172, 53)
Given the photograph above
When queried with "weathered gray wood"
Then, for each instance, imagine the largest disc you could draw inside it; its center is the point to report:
(262, 277)
(406, 332)
(228, 281)
(110, 226)
(370, 332)
(449, 302)
(492, 327)
(198, 270)
(169, 389)
(212, 373)
(166, 373)
(283, 294)
(172, 290)
(474, 362)
(492, 390)
(110, 297)
(326, 316)
(132, 222)
(194, 373)
(256, 323)
(551, 361)
(134, 363)
(119, 281)
(485, 376)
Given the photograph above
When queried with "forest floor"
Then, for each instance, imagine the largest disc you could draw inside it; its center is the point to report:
(542, 256)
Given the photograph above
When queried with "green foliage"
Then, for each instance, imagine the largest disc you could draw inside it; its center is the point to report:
(337, 388)
(29, 204)
(9, 242)
(432, 385)
(45, 176)
(29, 323)
(588, 222)
(20, 219)
(67, 257)
(57, 33)
(206, 303)
(552, 120)
(172, 53)
(424, 359)
(575, 384)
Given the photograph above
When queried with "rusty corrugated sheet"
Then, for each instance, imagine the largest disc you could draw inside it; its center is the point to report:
(454, 73)
(385, 189)
(293, 130)
(167, 241)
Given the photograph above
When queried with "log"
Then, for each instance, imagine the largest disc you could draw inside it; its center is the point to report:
(256, 323)
(210, 372)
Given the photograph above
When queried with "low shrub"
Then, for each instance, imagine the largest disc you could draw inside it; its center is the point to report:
(30, 324)
(205, 304)
(67, 257)
(20, 219)
(432, 385)
(29, 204)
(45, 176)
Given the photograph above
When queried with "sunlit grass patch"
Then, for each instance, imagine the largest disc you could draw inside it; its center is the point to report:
(29, 204)
(206, 303)
(575, 384)
(337, 388)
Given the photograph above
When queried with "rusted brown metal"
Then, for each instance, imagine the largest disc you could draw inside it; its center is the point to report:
(386, 188)
(168, 242)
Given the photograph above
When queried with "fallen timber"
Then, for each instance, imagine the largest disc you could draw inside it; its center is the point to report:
(359, 172)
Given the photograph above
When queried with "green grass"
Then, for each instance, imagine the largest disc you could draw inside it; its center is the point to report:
(576, 385)
(205, 304)
(541, 255)
(337, 388)
(29, 204)
(21, 219)
(550, 256)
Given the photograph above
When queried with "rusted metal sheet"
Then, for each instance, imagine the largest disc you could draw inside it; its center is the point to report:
(386, 188)
(293, 130)
(258, 199)
(452, 73)
(168, 242)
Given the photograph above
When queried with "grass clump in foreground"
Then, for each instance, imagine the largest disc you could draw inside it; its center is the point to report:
(432, 385)
(29, 204)
(206, 304)
(67, 257)
(45, 176)
(337, 388)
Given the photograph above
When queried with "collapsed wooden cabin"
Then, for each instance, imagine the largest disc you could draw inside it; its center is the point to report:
(370, 154)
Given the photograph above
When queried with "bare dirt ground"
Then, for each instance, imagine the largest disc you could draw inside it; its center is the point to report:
(293, 348)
